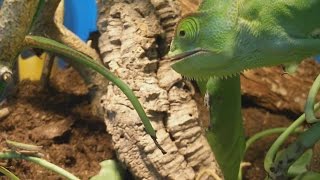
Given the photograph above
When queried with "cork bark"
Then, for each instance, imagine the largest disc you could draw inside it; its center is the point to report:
(134, 35)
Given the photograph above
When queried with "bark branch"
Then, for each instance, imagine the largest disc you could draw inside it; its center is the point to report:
(15, 20)
(272, 89)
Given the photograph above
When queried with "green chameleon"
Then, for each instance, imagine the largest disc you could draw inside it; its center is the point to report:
(224, 38)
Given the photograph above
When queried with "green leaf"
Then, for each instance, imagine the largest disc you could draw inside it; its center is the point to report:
(8, 173)
(308, 176)
(300, 166)
(110, 170)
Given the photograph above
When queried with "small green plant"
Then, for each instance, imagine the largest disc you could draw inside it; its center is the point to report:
(7, 173)
(277, 165)
(110, 169)
(39, 161)
(30, 152)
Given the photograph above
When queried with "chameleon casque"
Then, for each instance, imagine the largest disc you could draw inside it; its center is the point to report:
(225, 37)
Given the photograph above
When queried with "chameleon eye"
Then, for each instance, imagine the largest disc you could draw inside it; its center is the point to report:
(188, 29)
(182, 33)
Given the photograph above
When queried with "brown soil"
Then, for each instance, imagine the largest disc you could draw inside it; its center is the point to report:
(46, 118)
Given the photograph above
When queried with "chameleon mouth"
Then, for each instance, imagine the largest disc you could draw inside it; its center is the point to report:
(184, 55)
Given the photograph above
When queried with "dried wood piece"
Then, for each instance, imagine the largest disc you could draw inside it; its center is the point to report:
(272, 89)
(129, 44)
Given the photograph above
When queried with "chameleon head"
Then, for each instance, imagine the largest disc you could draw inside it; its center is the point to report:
(202, 46)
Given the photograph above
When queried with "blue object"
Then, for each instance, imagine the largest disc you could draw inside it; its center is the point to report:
(80, 17)
(318, 58)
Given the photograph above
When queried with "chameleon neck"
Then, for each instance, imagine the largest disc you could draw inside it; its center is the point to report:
(80, 58)
(226, 132)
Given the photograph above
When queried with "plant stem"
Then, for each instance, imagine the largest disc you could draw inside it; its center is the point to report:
(310, 116)
(276, 145)
(39, 161)
(9, 174)
(260, 135)
(267, 132)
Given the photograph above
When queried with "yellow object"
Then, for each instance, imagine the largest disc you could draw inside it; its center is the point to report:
(31, 67)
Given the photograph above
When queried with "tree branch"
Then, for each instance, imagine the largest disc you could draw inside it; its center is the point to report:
(15, 20)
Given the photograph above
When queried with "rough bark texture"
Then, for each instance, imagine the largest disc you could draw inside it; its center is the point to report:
(15, 19)
(277, 91)
(132, 40)
(189, 6)
(167, 12)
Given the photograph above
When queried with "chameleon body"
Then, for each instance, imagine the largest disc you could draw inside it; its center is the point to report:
(223, 38)
(226, 132)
